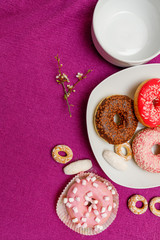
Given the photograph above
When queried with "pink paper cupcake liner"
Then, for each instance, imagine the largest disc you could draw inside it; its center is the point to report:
(65, 218)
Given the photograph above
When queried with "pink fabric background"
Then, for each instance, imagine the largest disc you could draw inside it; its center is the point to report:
(34, 118)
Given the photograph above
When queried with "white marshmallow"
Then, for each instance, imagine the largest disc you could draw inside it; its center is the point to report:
(87, 198)
(83, 219)
(103, 209)
(93, 179)
(97, 219)
(89, 194)
(104, 215)
(77, 166)
(85, 203)
(75, 209)
(115, 160)
(65, 200)
(95, 201)
(109, 208)
(68, 205)
(96, 212)
(109, 188)
(95, 185)
(74, 220)
(106, 198)
(86, 214)
(74, 190)
(113, 192)
(71, 199)
(77, 180)
(94, 206)
(84, 182)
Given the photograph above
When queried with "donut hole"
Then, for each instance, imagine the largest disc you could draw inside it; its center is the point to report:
(157, 206)
(124, 151)
(62, 154)
(156, 102)
(155, 149)
(117, 119)
(139, 204)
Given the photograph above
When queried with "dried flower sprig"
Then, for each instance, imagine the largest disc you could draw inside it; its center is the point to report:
(62, 79)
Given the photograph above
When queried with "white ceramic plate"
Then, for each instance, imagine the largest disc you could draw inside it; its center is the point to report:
(124, 82)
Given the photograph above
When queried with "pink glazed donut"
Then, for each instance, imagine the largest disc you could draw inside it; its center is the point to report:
(89, 202)
(142, 145)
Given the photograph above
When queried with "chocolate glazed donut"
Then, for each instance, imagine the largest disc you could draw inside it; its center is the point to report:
(110, 130)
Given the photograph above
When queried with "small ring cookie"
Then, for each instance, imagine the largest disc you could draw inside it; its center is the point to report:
(152, 206)
(127, 146)
(58, 157)
(132, 204)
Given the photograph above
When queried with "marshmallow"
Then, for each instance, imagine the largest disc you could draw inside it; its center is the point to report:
(68, 205)
(84, 182)
(115, 160)
(97, 219)
(103, 209)
(75, 209)
(65, 200)
(109, 208)
(96, 212)
(104, 215)
(74, 220)
(77, 166)
(95, 185)
(71, 199)
(74, 190)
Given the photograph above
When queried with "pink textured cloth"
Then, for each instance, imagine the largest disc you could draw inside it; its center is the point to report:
(34, 118)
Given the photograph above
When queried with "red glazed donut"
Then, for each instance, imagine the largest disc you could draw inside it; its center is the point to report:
(141, 147)
(147, 102)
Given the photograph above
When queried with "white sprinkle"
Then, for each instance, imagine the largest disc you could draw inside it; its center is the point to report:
(104, 215)
(68, 205)
(96, 212)
(95, 185)
(74, 190)
(78, 225)
(84, 225)
(109, 188)
(77, 180)
(94, 206)
(85, 203)
(74, 220)
(75, 209)
(88, 178)
(106, 183)
(97, 219)
(113, 192)
(89, 194)
(87, 198)
(95, 201)
(106, 198)
(83, 219)
(84, 182)
(78, 199)
(93, 179)
(109, 208)
(65, 200)
(103, 209)
(86, 214)
(114, 205)
(89, 208)
(71, 199)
